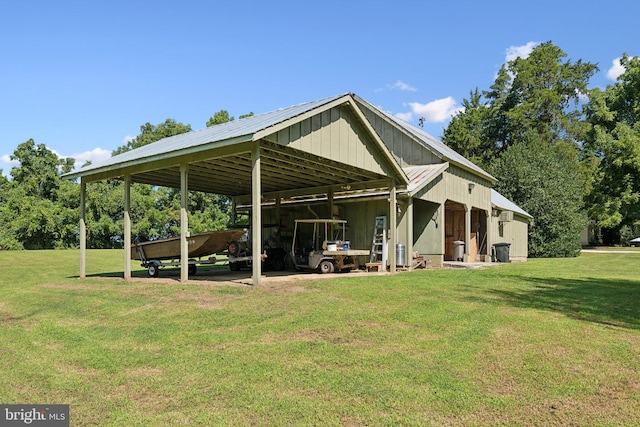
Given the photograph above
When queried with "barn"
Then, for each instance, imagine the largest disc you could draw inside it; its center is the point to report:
(337, 157)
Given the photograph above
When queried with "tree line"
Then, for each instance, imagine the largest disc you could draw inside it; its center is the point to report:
(40, 210)
(567, 154)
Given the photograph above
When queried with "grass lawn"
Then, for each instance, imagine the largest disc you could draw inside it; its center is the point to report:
(547, 342)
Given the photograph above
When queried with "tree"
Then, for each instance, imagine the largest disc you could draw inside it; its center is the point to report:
(220, 117)
(539, 93)
(223, 116)
(548, 187)
(466, 132)
(155, 211)
(36, 212)
(532, 110)
(614, 140)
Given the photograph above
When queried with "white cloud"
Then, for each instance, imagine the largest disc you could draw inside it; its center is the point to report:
(96, 155)
(436, 111)
(126, 139)
(6, 164)
(616, 69)
(523, 52)
(403, 86)
(7, 159)
(405, 116)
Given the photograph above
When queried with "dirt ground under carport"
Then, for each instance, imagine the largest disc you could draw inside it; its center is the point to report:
(226, 277)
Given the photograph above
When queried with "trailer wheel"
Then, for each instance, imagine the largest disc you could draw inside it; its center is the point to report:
(234, 248)
(234, 266)
(192, 269)
(326, 266)
(153, 270)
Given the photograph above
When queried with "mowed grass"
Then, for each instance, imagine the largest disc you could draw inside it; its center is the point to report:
(547, 342)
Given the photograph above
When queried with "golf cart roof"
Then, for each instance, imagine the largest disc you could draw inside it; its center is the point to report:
(322, 221)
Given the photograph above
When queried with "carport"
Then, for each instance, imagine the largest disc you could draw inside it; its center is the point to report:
(323, 148)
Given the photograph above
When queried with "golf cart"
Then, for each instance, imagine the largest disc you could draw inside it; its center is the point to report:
(319, 244)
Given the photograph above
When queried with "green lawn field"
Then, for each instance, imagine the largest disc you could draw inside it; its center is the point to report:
(546, 342)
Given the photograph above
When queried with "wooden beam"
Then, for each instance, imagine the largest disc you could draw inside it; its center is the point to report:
(165, 160)
(256, 215)
(409, 219)
(184, 223)
(127, 227)
(393, 226)
(83, 228)
(335, 188)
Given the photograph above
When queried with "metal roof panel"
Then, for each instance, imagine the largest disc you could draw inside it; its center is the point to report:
(499, 201)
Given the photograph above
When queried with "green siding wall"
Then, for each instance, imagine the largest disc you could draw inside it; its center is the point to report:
(338, 135)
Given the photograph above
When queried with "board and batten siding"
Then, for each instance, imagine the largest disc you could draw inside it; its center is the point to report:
(515, 232)
(453, 185)
(338, 135)
(404, 148)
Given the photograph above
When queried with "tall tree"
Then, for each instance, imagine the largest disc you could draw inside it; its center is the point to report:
(538, 94)
(614, 139)
(532, 110)
(36, 212)
(467, 131)
(546, 184)
(543, 95)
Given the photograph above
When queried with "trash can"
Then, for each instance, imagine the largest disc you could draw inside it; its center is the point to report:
(502, 251)
(458, 250)
(400, 255)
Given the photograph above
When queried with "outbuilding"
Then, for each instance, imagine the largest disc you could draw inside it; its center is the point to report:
(335, 157)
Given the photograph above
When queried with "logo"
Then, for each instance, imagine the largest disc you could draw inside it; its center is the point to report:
(34, 415)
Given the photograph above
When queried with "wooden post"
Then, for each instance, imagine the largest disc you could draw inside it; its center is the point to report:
(127, 227)
(489, 240)
(330, 200)
(393, 226)
(83, 228)
(184, 223)
(256, 214)
(409, 219)
(233, 212)
(467, 233)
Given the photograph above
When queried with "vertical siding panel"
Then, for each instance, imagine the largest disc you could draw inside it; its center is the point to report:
(325, 133)
(294, 134)
(335, 134)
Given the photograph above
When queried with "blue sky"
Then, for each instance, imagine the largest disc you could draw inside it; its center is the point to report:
(82, 76)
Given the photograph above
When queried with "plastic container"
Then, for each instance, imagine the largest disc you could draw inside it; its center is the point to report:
(458, 250)
(502, 251)
(401, 255)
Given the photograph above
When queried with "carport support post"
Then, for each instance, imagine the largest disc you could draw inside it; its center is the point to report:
(127, 227)
(488, 238)
(184, 223)
(83, 228)
(467, 234)
(256, 214)
(393, 227)
(409, 221)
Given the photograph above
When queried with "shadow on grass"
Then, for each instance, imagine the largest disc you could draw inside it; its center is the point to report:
(209, 274)
(603, 301)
